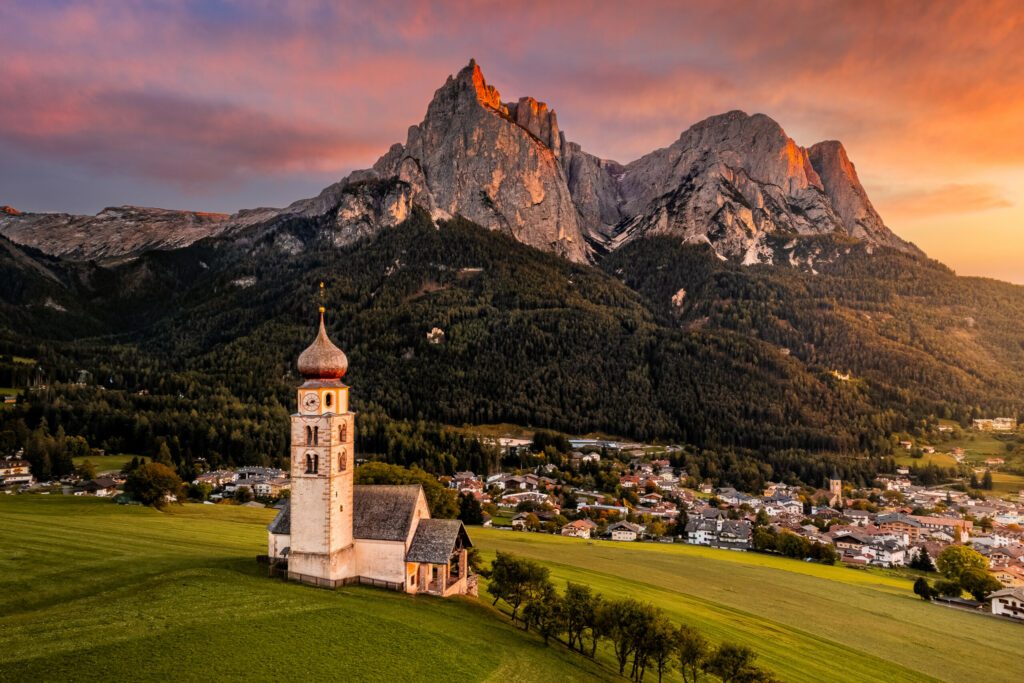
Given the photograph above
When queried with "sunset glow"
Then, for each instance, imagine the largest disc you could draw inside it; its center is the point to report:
(226, 105)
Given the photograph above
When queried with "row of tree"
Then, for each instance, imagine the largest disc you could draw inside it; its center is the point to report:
(641, 636)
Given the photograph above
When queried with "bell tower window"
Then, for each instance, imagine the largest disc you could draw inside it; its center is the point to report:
(309, 436)
(342, 457)
(343, 433)
(312, 463)
(327, 399)
(316, 435)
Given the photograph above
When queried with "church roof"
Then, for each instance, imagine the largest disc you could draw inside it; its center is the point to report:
(282, 523)
(322, 359)
(384, 512)
(435, 540)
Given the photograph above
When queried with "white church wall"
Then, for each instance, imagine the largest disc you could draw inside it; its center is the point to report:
(382, 560)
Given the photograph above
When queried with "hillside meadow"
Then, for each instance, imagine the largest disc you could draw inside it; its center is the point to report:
(95, 590)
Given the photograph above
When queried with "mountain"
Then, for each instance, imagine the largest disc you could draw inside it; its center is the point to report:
(112, 233)
(733, 181)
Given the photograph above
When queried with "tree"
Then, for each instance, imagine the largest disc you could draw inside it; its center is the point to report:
(947, 588)
(791, 545)
(243, 494)
(922, 561)
(532, 522)
(151, 484)
(986, 480)
(692, 648)
(761, 519)
(979, 583)
(86, 470)
(922, 589)
(199, 491)
(620, 621)
(955, 559)
(163, 455)
(545, 612)
(470, 511)
(579, 605)
(661, 642)
(764, 538)
(516, 580)
(733, 663)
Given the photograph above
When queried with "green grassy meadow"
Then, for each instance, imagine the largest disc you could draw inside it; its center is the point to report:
(107, 463)
(95, 590)
(808, 622)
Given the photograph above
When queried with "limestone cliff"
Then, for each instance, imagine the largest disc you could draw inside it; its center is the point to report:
(496, 164)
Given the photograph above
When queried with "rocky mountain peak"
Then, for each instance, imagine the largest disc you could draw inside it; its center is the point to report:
(494, 163)
(848, 197)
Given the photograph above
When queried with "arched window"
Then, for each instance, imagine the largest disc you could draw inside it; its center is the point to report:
(342, 457)
(316, 435)
(312, 463)
(328, 400)
(343, 432)
(309, 436)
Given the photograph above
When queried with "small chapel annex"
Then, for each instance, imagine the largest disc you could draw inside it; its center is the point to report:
(332, 532)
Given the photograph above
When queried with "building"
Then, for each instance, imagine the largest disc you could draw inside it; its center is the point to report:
(581, 528)
(917, 528)
(332, 532)
(15, 471)
(624, 531)
(835, 491)
(1008, 602)
(996, 424)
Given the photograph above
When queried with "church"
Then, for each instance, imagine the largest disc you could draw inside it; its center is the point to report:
(333, 532)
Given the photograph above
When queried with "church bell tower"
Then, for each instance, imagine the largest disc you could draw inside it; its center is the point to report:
(322, 464)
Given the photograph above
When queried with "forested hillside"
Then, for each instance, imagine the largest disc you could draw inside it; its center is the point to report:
(660, 342)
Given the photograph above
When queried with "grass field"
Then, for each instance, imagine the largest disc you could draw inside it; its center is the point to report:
(940, 459)
(1004, 482)
(107, 463)
(95, 590)
(809, 622)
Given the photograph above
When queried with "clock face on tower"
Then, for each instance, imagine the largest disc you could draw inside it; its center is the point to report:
(310, 401)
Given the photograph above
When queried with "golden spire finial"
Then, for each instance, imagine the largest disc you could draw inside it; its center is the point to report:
(323, 292)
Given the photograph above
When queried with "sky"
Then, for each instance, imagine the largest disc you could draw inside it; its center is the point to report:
(224, 105)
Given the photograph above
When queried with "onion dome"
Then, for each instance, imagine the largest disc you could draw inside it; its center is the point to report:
(322, 359)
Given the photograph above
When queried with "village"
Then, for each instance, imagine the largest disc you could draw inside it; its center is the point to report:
(893, 523)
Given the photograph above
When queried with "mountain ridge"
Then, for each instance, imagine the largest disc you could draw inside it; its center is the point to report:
(734, 181)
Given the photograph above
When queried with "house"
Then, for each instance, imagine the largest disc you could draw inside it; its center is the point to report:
(519, 521)
(581, 528)
(1011, 576)
(733, 535)
(718, 532)
(15, 471)
(624, 531)
(859, 517)
(102, 487)
(1008, 602)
